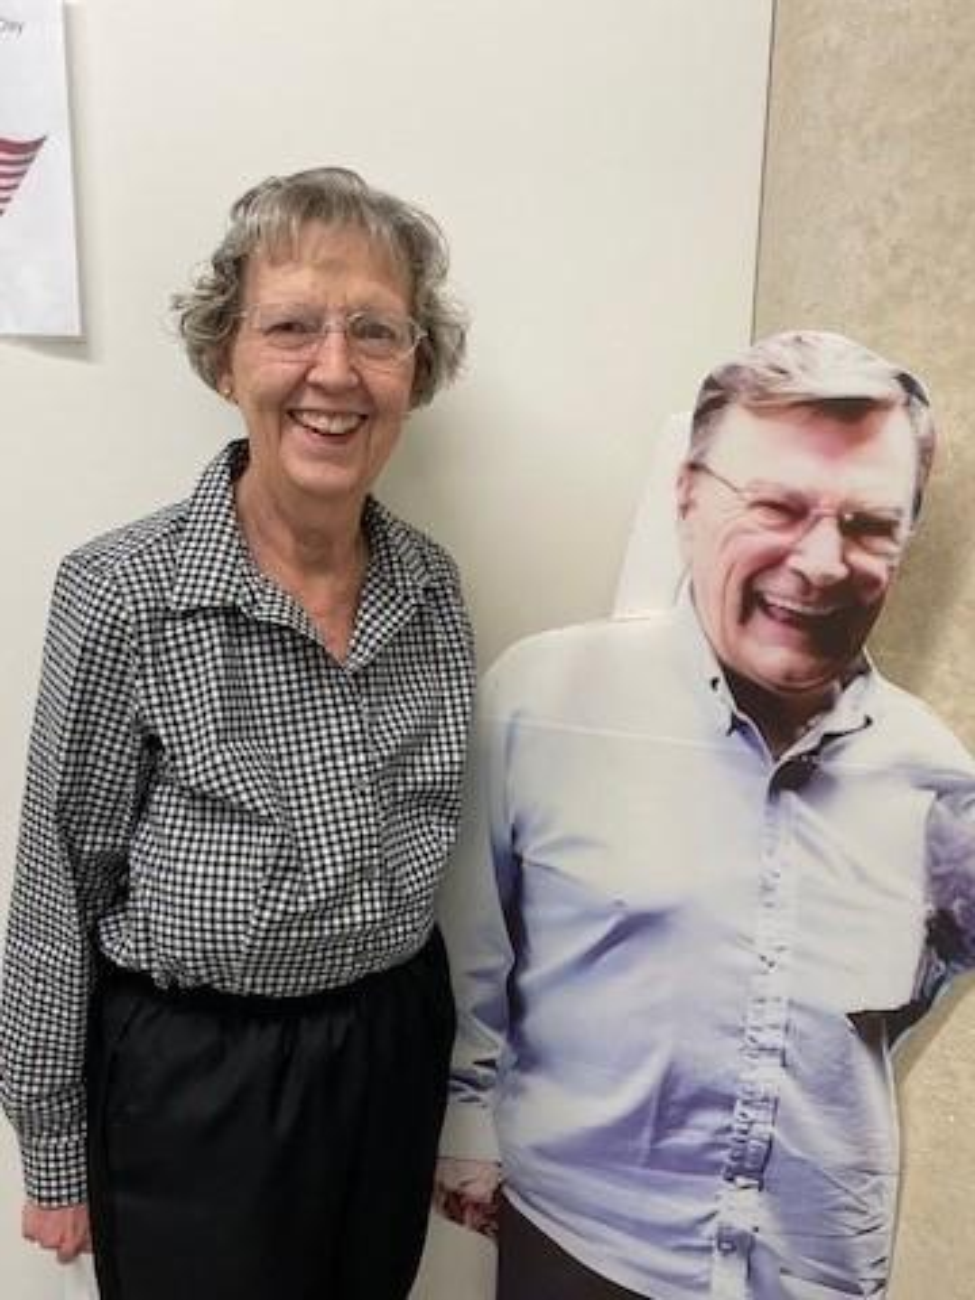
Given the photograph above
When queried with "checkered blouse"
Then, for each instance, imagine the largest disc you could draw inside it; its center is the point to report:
(214, 798)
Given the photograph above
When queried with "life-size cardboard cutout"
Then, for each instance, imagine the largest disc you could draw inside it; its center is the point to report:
(715, 864)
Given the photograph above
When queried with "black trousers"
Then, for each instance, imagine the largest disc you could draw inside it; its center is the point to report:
(266, 1149)
(532, 1267)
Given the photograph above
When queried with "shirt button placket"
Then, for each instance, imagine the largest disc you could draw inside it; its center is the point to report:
(729, 1273)
(366, 780)
(766, 1026)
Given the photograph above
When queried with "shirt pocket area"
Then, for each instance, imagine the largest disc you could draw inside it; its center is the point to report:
(238, 776)
(216, 831)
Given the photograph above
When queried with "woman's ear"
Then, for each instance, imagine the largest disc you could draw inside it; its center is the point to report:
(225, 380)
(221, 367)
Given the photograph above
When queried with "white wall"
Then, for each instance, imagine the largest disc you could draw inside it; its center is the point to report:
(597, 169)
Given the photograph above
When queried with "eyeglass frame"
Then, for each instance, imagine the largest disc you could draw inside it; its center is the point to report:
(308, 347)
(802, 527)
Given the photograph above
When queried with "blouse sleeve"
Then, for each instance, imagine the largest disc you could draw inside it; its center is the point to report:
(81, 795)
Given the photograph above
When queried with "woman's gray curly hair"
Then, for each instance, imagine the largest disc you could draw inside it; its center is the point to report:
(270, 217)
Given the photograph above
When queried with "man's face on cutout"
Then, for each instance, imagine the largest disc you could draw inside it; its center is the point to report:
(791, 534)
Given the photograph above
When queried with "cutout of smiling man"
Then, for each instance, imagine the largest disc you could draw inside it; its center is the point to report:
(715, 862)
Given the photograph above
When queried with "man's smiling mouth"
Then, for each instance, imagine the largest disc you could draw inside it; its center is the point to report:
(797, 613)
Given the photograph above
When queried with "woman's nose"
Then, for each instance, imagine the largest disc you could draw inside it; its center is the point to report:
(334, 360)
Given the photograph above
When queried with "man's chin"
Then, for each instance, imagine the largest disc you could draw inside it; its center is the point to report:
(794, 691)
(789, 672)
(799, 686)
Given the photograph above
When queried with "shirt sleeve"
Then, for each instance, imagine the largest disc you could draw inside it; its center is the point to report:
(951, 887)
(81, 791)
(475, 917)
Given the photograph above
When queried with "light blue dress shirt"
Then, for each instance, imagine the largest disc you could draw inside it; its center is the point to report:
(673, 956)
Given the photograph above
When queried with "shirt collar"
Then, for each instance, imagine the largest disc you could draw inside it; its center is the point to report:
(851, 711)
(395, 554)
(215, 568)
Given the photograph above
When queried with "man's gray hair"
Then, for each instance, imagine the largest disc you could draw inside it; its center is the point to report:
(270, 217)
(828, 372)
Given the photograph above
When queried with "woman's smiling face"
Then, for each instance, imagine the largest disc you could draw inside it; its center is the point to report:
(326, 425)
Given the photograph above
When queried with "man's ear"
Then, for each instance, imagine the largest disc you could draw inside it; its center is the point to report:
(685, 505)
(685, 489)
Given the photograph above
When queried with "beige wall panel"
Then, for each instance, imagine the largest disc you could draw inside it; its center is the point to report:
(867, 228)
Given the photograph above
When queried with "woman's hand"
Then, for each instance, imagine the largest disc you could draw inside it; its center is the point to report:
(467, 1192)
(61, 1228)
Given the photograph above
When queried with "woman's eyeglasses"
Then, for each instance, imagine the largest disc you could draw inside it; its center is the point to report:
(374, 338)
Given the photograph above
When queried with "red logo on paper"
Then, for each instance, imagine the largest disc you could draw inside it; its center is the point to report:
(16, 157)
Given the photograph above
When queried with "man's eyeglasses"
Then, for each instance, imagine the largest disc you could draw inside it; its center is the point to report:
(774, 508)
(374, 338)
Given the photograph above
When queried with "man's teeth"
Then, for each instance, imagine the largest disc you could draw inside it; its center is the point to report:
(327, 422)
(795, 608)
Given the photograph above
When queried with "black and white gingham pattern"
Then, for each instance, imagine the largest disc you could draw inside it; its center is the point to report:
(216, 798)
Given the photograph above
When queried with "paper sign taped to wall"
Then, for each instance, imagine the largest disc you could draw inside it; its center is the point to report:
(38, 257)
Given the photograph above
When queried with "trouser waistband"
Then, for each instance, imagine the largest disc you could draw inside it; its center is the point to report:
(431, 956)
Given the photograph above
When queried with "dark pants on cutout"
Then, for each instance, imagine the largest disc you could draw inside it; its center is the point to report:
(266, 1149)
(532, 1267)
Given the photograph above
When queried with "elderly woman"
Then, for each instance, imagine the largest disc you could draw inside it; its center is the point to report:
(243, 784)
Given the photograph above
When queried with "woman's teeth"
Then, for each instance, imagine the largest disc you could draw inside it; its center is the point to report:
(327, 422)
